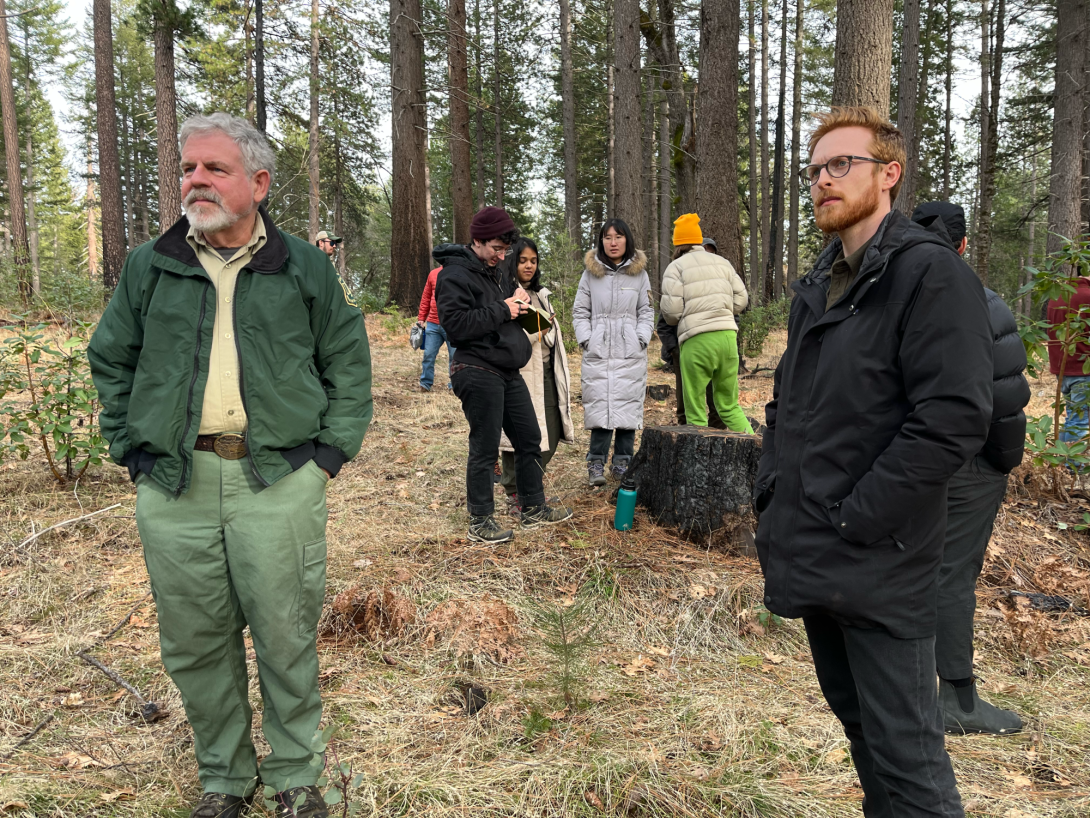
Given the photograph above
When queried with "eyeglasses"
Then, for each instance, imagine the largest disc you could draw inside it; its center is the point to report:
(836, 167)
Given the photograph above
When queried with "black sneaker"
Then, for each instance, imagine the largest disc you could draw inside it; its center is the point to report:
(534, 516)
(596, 472)
(486, 529)
(963, 711)
(220, 805)
(301, 802)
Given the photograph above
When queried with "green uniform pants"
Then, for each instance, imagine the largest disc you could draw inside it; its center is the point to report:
(712, 357)
(227, 554)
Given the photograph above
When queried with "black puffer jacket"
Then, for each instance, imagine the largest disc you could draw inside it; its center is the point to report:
(1006, 441)
(876, 404)
(469, 296)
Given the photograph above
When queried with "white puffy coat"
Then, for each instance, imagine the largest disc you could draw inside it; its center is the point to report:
(701, 292)
(613, 319)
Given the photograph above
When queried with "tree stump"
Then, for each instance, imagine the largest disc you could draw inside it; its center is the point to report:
(696, 479)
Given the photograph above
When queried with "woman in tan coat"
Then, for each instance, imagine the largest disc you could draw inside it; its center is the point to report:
(546, 374)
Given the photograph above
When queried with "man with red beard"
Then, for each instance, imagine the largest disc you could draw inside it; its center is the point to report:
(883, 392)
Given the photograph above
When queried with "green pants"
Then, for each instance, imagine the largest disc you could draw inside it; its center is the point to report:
(712, 357)
(227, 554)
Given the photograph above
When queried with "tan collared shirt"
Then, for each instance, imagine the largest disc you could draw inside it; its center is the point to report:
(223, 412)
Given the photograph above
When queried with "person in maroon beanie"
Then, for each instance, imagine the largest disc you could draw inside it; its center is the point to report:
(478, 306)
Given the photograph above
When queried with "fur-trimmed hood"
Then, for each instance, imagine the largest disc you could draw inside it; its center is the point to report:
(633, 267)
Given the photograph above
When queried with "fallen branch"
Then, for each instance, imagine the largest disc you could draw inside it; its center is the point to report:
(125, 620)
(33, 537)
(28, 737)
(149, 711)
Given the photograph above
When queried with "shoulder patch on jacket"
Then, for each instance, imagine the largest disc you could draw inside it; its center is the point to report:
(347, 294)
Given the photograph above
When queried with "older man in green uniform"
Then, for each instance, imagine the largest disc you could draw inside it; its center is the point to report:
(235, 380)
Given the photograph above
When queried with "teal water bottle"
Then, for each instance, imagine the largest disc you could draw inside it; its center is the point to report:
(626, 505)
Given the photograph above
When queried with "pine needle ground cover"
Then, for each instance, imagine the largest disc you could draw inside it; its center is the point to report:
(441, 671)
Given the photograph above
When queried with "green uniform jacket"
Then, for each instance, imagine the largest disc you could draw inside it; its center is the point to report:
(304, 360)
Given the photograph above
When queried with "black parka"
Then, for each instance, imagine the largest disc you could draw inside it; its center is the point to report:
(470, 296)
(877, 402)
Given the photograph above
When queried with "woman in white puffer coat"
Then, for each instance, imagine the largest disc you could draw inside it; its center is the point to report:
(613, 319)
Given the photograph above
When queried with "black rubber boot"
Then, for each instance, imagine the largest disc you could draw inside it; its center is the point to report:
(963, 711)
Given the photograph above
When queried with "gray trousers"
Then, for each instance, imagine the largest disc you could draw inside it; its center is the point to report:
(973, 499)
(883, 691)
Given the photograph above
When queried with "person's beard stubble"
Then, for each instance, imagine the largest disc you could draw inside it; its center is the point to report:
(842, 216)
(212, 222)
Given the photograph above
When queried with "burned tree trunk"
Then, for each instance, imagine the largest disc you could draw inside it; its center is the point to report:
(696, 479)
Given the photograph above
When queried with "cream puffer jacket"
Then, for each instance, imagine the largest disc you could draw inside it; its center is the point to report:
(702, 293)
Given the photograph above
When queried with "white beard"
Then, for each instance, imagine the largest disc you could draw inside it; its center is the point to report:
(205, 221)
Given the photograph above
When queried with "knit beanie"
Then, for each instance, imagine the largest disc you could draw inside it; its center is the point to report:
(489, 223)
(687, 230)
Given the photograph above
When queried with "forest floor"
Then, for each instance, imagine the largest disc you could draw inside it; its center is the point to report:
(694, 702)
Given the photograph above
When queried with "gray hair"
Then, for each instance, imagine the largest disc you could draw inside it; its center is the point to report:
(256, 153)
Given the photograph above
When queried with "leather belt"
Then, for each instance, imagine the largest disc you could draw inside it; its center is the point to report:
(229, 447)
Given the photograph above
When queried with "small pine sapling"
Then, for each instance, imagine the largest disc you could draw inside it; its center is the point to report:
(568, 634)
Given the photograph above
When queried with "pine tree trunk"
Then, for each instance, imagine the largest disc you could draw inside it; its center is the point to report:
(649, 225)
(109, 166)
(990, 148)
(864, 53)
(907, 93)
(776, 231)
(611, 141)
(948, 117)
(717, 136)
(92, 217)
(338, 193)
(21, 246)
(628, 149)
(259, 64)
(681, 161)
(497, 101)
(409, 250)
(126, 176)
(478, 135)
(756, 273)
(921, 93)
(766, 217)
(166, 126)
(461, 172)
(666, 220)
(313, 145)
(32, 216)
(141, 173)
(796, 134)
(251, 110)
(1065, 186)
(696, 479)
(572, 220)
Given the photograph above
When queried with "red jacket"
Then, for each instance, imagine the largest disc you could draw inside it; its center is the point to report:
(1058, 311)
(428, 311)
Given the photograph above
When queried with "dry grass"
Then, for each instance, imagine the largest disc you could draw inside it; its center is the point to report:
(692, 709)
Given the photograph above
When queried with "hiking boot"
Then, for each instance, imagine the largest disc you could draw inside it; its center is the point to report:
(533, 516)
(486, 529)
(220, 805)
(301, 802)
(963, 711)
(596, 472)
(619, 468)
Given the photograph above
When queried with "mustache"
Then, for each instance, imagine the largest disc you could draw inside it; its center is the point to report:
(205, 193)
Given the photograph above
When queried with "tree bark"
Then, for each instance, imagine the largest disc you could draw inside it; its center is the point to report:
(681, 158)
(665, 195)
(611, 142)
(166, 123)
(21, 245)
(776, 227)
(409, 250)
(259, 64)
(756, 273)
(1065, 185)
(32, 216)
(796, 134)
(478, 136)
(948, 118)
(990, 147)
(497, 101)
(127, 129)
(717, 136)
(628, 150)
(313, 144)
(907, 93)
(109, 165)
(766, 255)
(572, 220)
(338, 193)
(696, 479)
(461, 173)
(649, 223)
(863, 54)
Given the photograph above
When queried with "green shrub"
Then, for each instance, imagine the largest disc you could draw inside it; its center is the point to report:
(755, 324)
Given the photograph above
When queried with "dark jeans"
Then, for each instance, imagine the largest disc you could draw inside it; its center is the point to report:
(714, 421)
(973, 499)
(491, 403)
(553, 427)
(623, 448)
(884, 693)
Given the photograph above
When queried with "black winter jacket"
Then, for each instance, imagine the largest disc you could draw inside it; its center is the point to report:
(1010, 390)
(469, 296)
(876, 403)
